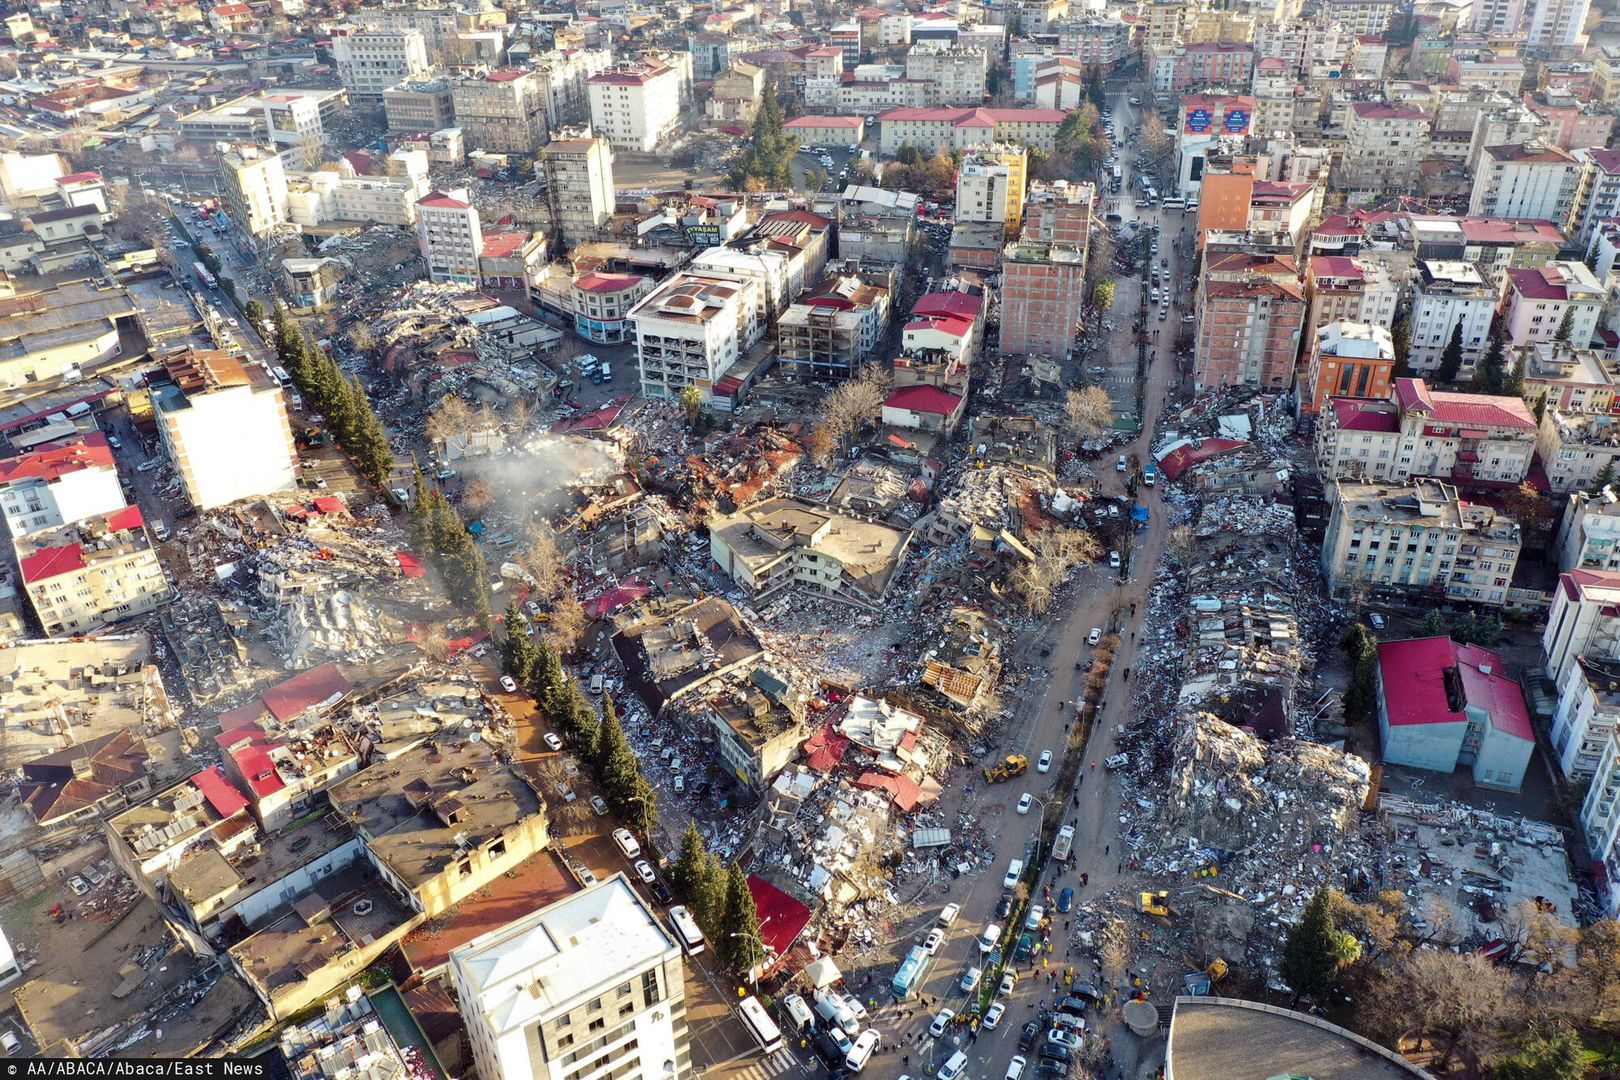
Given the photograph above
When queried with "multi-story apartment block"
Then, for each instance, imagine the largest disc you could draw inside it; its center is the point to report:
(1103, 42)
(1444, 294)
(956, 75)
(1059, 211)
(735, 95)
(1600, 820)
(503, 112)
(1570, 121)
(1417, 540)
(935, 130)
(1250, 313)
(601, 301)
(223, 425)
(1347, 359)
(1541, 26)
(1359, 16)
(1589, 532)
(1541, 298)
(59, 481)
(828, 335)
(1583, 722)
(990, 186)
(1527, 181)
(1422, 432)
(562, 77)
(294, 121)
(593, 983)
(1600, 190)
(1384, 144)
(780, 544)
(635, 106)
(1560, 376)
(420, 105)
(369, 60)
(827, 130)
(255, 184)
(692, 329)
(1577, 448)
(1483, 69)
(1043, 297)
(450, 235)
(578, 168)
(1584, 620)
(88, 573)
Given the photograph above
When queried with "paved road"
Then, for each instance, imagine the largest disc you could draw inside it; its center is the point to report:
(1102, 599)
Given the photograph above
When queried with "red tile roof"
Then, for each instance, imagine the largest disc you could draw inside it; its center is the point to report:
(924, 399)
(825, 748)
(539, 880)
(49, 562)
(500, 245)
(289, 698)
(1533, 283)
(823, 121)
(53, 460)
(903, 791)
(249, 748)
(442, 201)
(1335, 266)
(78, 178)
(976, 117)
(781, 918)
(1359, 414)
(1185, 457)
(597, 281)
(954, 325)
(1382, 110)
(1477, 410)
(949, 303)
(1413, 671)
(219, 791)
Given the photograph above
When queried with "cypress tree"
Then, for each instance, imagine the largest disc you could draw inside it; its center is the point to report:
(548, 683)
(1309, 957)
(517, 651)
(686, 872)
(739, 942)
(1451, 359)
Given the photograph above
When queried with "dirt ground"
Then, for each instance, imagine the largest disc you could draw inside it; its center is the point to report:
(650, 171)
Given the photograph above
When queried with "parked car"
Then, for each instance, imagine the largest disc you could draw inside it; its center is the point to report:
(935, 938)
(598, 805)
(1065, 900)
(508, 684)
(553, 742)
(1095, 636)
(942, 1022)
(992, 1016)
(644, 871)
(1024, 802)
(627, 843)
(1045, 762)
(970, 980)
(1028, 1034)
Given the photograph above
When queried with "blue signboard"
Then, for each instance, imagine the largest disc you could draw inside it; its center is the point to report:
(1198, 120)
(1236, 121)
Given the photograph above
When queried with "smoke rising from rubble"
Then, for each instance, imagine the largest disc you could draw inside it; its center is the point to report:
(527, 478)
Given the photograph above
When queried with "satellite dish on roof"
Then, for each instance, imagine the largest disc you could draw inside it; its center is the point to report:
(476, 736)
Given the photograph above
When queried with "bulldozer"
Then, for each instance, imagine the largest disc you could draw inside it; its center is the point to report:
(1155, 903)
(1014, 765)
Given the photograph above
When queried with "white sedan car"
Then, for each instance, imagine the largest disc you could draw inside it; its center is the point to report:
(553, 742)
(508, 684)
(1024, 802)
(992, 1016)
(644, 871)
(1045, 763)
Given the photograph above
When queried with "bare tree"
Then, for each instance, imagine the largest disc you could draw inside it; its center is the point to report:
(1457, 997)
(1598, 968)
(1087, 412)
(567, 624)
(476, 496)
(1377, 923)
(851, 405)
(1057, 551)
(543, 559)
(1183, 543)
(451, 418)
(821, 444)
(1114, 954)
(361, 339)
(1537, 935)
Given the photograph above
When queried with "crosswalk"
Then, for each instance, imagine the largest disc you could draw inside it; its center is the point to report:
(778, 1063)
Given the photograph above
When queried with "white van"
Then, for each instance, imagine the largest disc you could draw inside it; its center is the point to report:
(1015, 870)
(691, 937)
(831, 1008)
(953, 1069)
(799, 1012)
(988, 939)
(627, 843)
(862, 1051)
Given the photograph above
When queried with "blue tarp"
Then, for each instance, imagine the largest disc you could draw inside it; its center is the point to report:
(1139, 513)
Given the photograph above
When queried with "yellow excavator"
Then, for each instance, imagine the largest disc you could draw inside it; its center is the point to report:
(1014, 765)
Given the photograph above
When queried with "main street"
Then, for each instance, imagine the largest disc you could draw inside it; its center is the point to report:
(1103, 599)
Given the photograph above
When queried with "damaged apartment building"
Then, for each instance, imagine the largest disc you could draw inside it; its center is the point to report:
(782, 543)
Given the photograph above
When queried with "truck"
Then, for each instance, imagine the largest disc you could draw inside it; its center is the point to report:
(204, 276)
(1150, 475)
(1063, 843)
(1013, 765)
(160, 529)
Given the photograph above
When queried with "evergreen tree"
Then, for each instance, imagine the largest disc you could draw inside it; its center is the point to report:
(549, 683)
(1433, 624)
(615, 762)
(1490, 376)
(1490, 628)
(1316, 950)
(290, 349)
(1557, 1054)
(255, 313)
(740, 945)
(1401, 337)
(642, 813)
(1514, 382)
(518, 654)
(1451, 359)
(1604, 477)
(578, 713)
(1566, 326)
(1465, 628)
(1360, 695)
(367, 438)
(1095, 93)
(687, 871)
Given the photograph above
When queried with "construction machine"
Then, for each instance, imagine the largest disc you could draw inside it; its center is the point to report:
(1014, 765)
(1155, 903)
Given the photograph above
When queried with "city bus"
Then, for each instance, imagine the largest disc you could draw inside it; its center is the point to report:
(760, 1025)
(910, 976)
